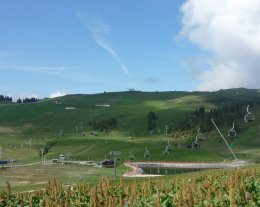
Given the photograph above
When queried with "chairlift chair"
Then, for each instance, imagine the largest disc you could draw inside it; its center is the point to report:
(195, 144)
(200, 136)
(232, 132)
(166, 152)
(249, 117)
(169, 147)
(131, 156)
(146, 154)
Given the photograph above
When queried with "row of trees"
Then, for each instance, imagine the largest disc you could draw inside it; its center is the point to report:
(28, 100)
(105, 124)
(5, 98)
(151, 123)
(19, 100)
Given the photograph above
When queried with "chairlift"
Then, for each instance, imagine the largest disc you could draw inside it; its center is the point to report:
(146, 154)
(195, 144)
(169, 147)
(131, 156)
(232, 132)
(200, 136)
(249, 117)
(166, 152)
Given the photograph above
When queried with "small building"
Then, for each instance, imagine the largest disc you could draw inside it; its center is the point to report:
(107, 163)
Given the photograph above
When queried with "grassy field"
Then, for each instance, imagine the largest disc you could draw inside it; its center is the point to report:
(36, 176)
(236, 187)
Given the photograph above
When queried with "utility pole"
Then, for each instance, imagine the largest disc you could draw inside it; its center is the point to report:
(81, 125)
(30, 143)
(114, 167)
(1, 153)
(42, 155)
(116, 155)
(60, 133)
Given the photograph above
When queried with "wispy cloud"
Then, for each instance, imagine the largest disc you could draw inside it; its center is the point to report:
(100, 30)
(35, 69)
(152, 80)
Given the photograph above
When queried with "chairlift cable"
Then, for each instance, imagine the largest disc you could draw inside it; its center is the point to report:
(223, 138)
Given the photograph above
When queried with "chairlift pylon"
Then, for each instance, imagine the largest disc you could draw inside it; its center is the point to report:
(232, 132)
(249, 117)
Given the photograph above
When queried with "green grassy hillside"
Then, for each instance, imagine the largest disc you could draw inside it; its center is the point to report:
(49, 123)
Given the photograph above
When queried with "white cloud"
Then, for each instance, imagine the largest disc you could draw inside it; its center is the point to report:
(57, 94)
(230, 31)
(100, 30)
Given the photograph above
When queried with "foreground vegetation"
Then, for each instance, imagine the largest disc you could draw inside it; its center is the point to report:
(223, 188)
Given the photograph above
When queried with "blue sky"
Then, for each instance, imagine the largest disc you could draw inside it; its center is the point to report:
(55, 47)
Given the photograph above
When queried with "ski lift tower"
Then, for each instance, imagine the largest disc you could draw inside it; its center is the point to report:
(104, 106)
(116, 155)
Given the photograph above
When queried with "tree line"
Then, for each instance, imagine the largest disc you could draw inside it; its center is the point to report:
(9, 99)
(104, 125)
(5, 98)
(27, 100)
(224, 116)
